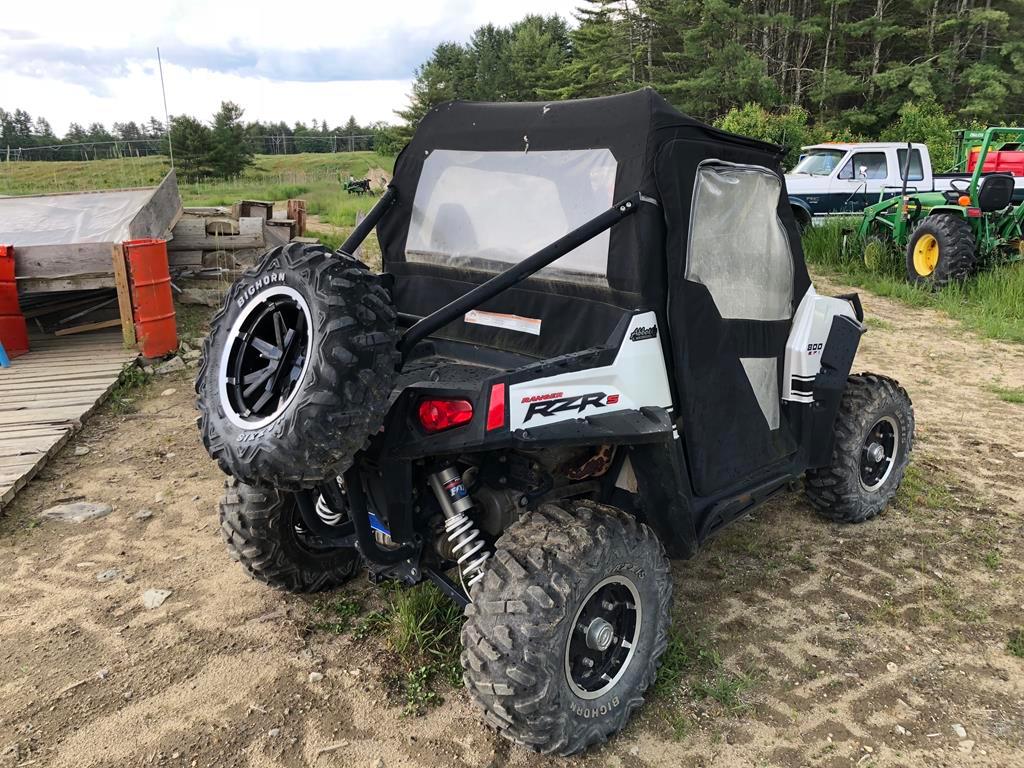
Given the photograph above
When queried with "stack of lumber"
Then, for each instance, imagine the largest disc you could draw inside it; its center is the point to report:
(64, 313)
(211, 242)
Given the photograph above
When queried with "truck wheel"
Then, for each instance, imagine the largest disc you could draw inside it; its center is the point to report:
(566, 630)
(874, 433)
(263, 531)
(297, 369)
(941, 250)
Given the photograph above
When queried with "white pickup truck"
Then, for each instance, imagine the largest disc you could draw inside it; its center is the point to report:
(843, 178)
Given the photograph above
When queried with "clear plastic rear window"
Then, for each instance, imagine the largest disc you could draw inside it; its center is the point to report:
(487, 210)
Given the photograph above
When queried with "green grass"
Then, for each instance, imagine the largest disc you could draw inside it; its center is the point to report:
(419, 628)
(271, 177)
(690, 663)
(991, 302)
(1015, 644)
(335, 615)
(131, 380)
(1009, 394)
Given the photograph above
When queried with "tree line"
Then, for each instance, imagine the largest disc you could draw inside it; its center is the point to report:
(786, 70)
(26, 138)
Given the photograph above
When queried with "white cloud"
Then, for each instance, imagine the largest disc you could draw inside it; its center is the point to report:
(280, 61)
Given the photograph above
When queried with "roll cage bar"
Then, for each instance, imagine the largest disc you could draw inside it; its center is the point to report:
(436, 320)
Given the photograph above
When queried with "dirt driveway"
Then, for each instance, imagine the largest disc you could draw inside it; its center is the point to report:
(806, 643)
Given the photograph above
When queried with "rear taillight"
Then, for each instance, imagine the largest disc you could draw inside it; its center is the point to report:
(439, 415)
(974, 213)
(496, 407)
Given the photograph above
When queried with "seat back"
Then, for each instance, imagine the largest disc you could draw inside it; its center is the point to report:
(995, 192)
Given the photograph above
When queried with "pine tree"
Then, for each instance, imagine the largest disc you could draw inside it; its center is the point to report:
(193, 142)
(230, 153)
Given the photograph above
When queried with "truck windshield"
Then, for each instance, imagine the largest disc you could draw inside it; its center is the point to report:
(819, 162)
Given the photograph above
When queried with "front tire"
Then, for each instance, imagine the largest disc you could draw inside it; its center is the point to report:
(874, 434)
(566, 630)
(941, 250)
(263, 532)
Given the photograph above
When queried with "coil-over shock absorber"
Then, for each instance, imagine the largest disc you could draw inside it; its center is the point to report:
(468, 548)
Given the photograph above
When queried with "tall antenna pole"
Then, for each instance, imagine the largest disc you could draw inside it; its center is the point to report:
(167, 117)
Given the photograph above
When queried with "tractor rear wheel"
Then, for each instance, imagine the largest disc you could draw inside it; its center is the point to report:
(941, 250)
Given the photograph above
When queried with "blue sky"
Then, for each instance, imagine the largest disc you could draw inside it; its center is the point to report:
(314, 59)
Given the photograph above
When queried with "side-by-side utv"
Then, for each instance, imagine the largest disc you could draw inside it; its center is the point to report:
(594, 343)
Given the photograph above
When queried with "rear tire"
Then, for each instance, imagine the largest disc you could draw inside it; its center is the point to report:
(560, 568)
(863, 479)
(262, 529)
(297, 369)
(941, 250)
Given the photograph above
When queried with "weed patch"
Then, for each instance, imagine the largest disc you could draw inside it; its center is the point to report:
(691, 663)
(1009, 394)
(990, 302)
(336, 615)
(131, 380)
(420, 630)
(1015, 644)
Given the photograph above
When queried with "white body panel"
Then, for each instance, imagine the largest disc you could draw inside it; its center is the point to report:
(637, 378)
(811, 325)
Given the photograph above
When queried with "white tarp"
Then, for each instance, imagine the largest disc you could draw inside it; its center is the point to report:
(88, 217)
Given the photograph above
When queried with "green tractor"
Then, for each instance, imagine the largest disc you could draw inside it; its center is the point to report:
(947, 234)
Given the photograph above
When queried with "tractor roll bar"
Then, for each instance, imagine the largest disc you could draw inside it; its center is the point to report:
(363, 228)
(518, 272)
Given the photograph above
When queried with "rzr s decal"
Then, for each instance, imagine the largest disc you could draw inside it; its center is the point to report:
(577, 403)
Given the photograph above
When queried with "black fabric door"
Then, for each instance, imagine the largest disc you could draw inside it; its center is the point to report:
(733, 284)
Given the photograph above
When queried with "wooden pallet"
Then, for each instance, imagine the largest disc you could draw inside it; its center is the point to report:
(46, 394)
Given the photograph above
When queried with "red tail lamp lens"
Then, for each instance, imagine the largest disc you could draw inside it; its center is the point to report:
(496, 408)
(974, 213)
(439, 415)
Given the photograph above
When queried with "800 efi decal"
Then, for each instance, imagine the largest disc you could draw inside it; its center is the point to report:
(552, 403)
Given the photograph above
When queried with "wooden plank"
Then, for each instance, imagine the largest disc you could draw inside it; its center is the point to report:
(75, 372)
(184, 258)
(48, 388)
(51, 261)
(53, 400)
(250, 236)
(67, 415)
(88, 327)
(53, 307)
(30, 446)
(9, 462)
(44, 403)
(124, 295)
(29, 285)
(160, 213)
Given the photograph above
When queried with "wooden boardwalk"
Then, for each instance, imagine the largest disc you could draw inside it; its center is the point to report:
(45, 395)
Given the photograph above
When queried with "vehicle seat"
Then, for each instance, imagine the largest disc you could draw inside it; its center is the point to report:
(995, 192)
(952, 196)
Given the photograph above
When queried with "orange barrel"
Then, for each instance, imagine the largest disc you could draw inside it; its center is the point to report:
(13, 333)
(152, 303)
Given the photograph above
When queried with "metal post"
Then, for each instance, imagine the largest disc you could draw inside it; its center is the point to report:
(167, 117)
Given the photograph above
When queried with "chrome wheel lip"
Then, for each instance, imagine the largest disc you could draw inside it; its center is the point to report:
(625, 581)
(256, 303)
(889, 457)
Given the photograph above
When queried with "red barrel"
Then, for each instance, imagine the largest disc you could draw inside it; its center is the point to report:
(13, 332)
(152, 303)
